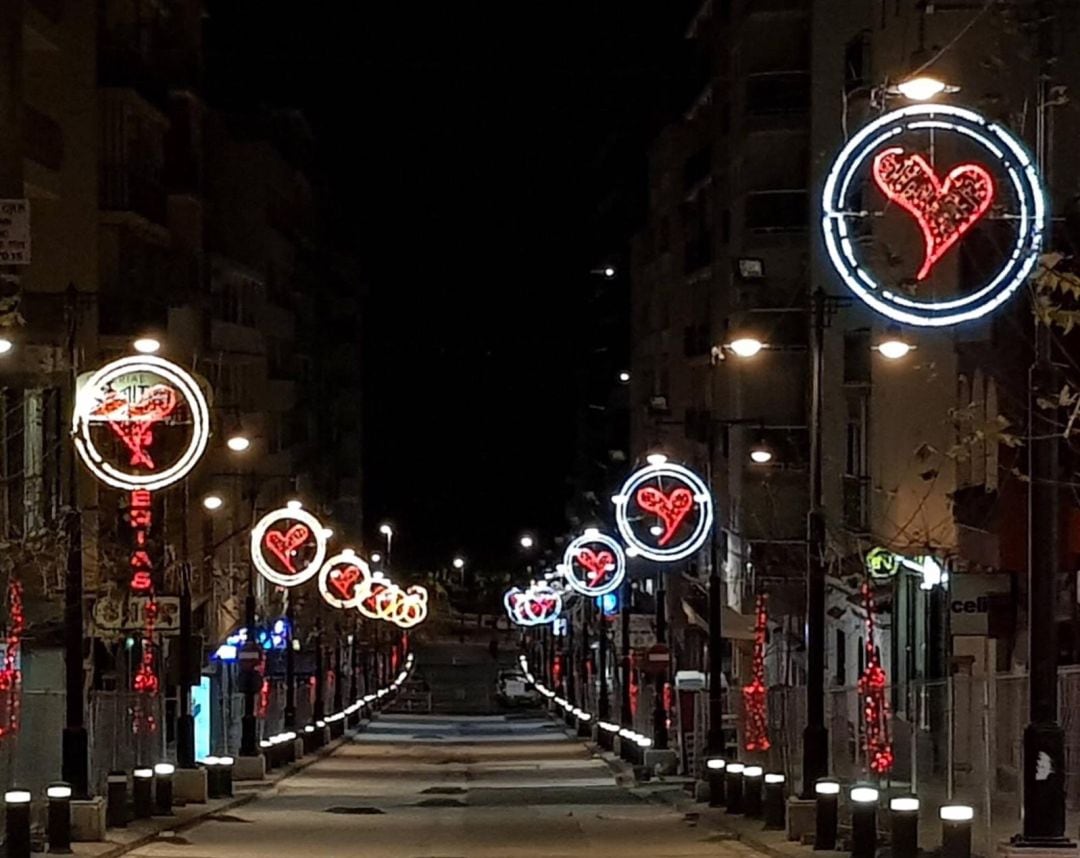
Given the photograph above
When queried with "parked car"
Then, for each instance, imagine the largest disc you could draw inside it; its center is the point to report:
(513, 689)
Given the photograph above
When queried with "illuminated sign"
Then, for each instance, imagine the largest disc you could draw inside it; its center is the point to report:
(882, 563)
(343, 578)
(288, 546)
(897, 153)
(140, 422)
(664, 512)
(200, 711)
(594, 563)
(608, 603)
(534, 606)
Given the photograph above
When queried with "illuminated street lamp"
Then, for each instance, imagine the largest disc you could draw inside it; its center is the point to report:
(376, 557)
(760, 454)
(893, 346)
(238, 443)
(459, 564)
(147, 345)
(213, 502)
(527, 542)
(624, 377)
(656, 458)
(609, 272)
(921, 88)
(6, 345)
(745, 347)
(387, 531)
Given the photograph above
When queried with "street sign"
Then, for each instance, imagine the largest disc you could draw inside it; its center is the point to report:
(642, 630)
(14, 232)
(691, 680)
(657, 659)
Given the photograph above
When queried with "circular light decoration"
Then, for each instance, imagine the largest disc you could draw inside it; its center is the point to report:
(288, 545)
(140, 422)
(983, 173)
(342, 579)
(594, 563)
(534, 606)
(373, 604)
(664, 512)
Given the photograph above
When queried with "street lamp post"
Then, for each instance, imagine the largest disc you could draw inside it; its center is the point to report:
(387, 531)
(626, 709)
(660, 728)
(290, 665)
(603, 705)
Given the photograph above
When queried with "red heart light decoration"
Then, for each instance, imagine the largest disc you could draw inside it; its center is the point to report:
(133, 422)
(671, 509)
(944, 210)
(282, 544)
(344, 579)
(597, 564)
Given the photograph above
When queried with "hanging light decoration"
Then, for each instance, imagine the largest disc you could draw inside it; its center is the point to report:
(872, 692)
(756, 724)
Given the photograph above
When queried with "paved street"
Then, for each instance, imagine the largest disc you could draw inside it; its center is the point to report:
(416, 786)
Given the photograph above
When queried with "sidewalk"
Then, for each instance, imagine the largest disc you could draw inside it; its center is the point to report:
(141, 832)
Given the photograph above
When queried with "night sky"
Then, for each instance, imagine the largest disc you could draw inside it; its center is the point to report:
(461, 140)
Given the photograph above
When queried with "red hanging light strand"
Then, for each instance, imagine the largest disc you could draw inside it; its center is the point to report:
(875, 704)
(755, 716)
(10, 674)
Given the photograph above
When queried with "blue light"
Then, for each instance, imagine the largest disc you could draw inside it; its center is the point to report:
(608, 603)
(226, 652)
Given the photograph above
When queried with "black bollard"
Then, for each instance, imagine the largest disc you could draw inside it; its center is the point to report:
(116, 808)
(212, 766)
(714, 770)
(956, 830)
(751, 785)
(163, 788)
(826, 792)
(143, 792)
(266, 748)
(59, 821)
(584, 725)
(17, 823)
(904, 826)
(775, 802)
(863, 821)
(226, 764)
(733, 787)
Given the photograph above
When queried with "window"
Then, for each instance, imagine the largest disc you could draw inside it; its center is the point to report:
(777, 92)
(777, 211)
(840, 673)
(857, 62)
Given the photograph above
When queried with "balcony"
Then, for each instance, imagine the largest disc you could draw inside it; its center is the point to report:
(122, 188)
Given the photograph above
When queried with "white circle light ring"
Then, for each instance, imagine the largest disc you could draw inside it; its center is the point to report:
(315, 529)
(627, 497)
(86, 401)
(356, 573)
(608, 563)
(1003, 147)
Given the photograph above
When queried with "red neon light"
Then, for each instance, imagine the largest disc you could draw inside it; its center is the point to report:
(344, 580)
(283, 544)
(755, 718)
(670, 509)
(944, 210)
(597, 564)
(10, 675)
(134, 422)
(872, 687)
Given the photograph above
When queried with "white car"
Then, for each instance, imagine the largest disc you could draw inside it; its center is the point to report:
(513, 689)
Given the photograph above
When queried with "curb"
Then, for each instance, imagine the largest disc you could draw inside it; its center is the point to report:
(238, 801)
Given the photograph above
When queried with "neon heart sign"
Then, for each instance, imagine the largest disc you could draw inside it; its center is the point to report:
(288, 545)
(140, 399)
(664, 512)
(343, 579)
(945, 203)
(534, 606)
(944, 209)
(594, 563)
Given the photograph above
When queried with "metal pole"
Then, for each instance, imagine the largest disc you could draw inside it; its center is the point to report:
(185, 722)
(815, 735)
(248, 745)
(319, 709)
(716, 642)
(290, 666)
(626, 710)
(339, 700)
(660, 729)
(604, 704)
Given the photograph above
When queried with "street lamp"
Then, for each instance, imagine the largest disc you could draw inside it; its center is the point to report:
(527, 542)
(147, 345)
(656, 458)
(760, 454)
(212, 502)
(459, 564)
(893, 346)
(745, 347)
(376, 557)
(921, 88)
(6, 345)
(238, 443)
(387, 531)
(624, 377)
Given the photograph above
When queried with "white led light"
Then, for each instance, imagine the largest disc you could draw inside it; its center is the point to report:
(656, 458)
(1030, 221)
(320, 724)
(827, 788)
(894, 349)
(211, 761)
(226, 761)
(146, 345)
(92, 395)
(58, 791)
(746, 347)
(585, 716)
(164, 769)
(864, 794)
(753, 772)
(315, 531)
(583, 559)
(142, 774)
(735, 768)
(309, 729)
(17, 796)
(774, 778)
(716, 765)
(351, 571)
(238, 443)
(921, 88)
(661, 474)
(644, 742)
(904, 804)
(957, 813)
(761, 455)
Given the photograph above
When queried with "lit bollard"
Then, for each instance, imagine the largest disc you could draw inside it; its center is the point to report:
(226, 764)
(714, 771)
(643, 744)
(863, 821)
(163, 788)
(17, 823)
(584, 725)
(826, 793)
(733, 787)
(904, 826)
(289, 747)
(309, 739)
(143, 792)
(751, 784)
(266, 748)
(59, 817)
(775, 802)
(116, 800)
(956, 830)
(320, 733)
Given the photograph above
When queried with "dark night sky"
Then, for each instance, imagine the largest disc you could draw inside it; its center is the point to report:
(460, 137)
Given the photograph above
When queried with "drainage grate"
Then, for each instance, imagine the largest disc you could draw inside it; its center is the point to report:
(443, 791)
(440, 802)
(360, 810)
